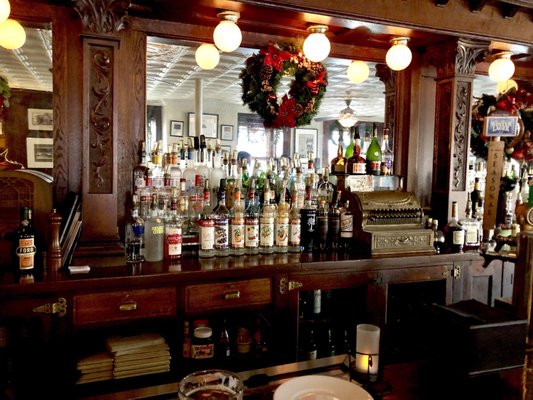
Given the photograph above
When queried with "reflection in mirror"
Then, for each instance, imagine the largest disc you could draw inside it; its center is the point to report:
(28, 111)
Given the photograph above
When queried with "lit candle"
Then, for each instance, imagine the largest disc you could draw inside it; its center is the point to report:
(367, 349)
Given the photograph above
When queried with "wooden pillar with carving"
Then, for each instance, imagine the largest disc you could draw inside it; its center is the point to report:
(455, 64)
(100, 43)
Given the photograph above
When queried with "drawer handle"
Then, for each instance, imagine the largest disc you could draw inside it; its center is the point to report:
(128, 306)
(232, 295)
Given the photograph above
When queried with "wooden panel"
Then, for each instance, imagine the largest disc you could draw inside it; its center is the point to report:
(124, 305)
(207, 297)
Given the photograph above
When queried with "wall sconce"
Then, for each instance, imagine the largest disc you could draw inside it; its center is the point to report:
(5, 10)
(358, 71)
(207, 56)
(399, 55)
(227, 35)
(347, 116)
(502, 68)
(316, 45)
(367, 351)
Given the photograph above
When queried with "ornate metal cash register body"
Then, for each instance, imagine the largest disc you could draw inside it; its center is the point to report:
(390, 222)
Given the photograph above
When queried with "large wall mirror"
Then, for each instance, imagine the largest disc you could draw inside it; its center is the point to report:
(27, 123)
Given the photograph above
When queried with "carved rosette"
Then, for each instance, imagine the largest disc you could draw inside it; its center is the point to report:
(103, 16)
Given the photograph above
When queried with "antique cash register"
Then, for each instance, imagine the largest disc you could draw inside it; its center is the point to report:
(390, 222)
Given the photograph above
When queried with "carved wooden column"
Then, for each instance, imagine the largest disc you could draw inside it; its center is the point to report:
(397, 111)
(101, 19)
(455, 63)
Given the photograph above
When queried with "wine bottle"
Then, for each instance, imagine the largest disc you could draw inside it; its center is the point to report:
(387, 155)
(373, 155)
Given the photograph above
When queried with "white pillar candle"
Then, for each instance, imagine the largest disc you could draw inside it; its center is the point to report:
(367, 348)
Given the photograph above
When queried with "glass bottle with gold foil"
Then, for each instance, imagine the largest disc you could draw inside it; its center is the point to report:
(26, 248)
(338, 164)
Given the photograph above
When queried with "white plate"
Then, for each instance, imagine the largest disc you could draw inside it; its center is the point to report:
(320, 387)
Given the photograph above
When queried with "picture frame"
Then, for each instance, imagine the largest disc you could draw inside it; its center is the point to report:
(226, 132)
(209, 125)
(40, 152)
(176, 128)
(501, 125)
(40, 119)
(305, 141)
(225, 149)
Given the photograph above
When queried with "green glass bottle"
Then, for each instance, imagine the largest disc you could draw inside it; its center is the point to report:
(373, 155)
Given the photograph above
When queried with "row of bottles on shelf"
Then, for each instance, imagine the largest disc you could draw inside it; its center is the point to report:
(376, 160)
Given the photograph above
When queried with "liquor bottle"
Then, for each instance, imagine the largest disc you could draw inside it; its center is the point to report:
(140, 171)
(196, 202)
(267, 218)
(387, 155)
(186, 348)
(308, 215)
(183, 208)
(346, 231)
(202, 167)
(439, 243)
(173, 233)
(373, 155)
(472, 228)
(251, 222)
(237, 227)
(317, 303)
(334, 221)
(175, 170)
(453, 232)
(338, 164)
(351, 146)
(221, 215)
(356, 165)
(330, 344)
(206, 226)
(26, 248)
(157, 161)
(134, 237)
(322, 244)
(325, 188)
(223, 348)
(476, 195)
(294, 225)
(154, 232)
(282, 222)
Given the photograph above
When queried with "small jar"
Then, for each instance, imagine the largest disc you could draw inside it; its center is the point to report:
(202, 346)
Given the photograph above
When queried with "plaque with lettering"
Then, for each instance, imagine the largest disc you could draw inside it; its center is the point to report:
(501, 126)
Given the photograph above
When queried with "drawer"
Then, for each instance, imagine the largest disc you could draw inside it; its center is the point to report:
(124, 305)
(209, 296)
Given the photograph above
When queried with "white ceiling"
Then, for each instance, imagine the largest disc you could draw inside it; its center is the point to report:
(172, 72)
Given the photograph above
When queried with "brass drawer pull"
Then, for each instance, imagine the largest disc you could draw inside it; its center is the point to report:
(59, 308)
(128, 306)
(232, 295)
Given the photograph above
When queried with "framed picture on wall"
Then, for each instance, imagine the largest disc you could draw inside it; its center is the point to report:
(226, 132)
(176, 128)
(305, 141)
(209, 125)
(40, 152)
(40, 119)
(226, 149)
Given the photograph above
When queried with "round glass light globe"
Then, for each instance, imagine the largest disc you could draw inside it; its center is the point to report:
(316, 47)
(399, 57)
(207, 56)
(501, 69)
(5, 10)
(358, 71)
(227, 36)
(12, 34)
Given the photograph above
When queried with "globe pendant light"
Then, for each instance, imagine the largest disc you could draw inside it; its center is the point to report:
(207, 56)
(502, 68)
(347, 116)
(5, 10)
(227, 35)
(316, 45)
(12, 34)
(358, 71)
(399, 55)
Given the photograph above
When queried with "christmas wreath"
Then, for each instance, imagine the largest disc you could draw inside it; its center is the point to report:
(261, 78)
(5, 94)
(515, 101)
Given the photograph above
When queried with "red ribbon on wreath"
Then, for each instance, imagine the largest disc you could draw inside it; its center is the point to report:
(314, 86)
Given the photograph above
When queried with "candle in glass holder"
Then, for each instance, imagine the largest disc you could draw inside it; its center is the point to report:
(367, 349)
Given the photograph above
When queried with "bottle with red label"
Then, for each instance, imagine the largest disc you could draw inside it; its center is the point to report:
(173, 231)
(26, 248)
(206, 226)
